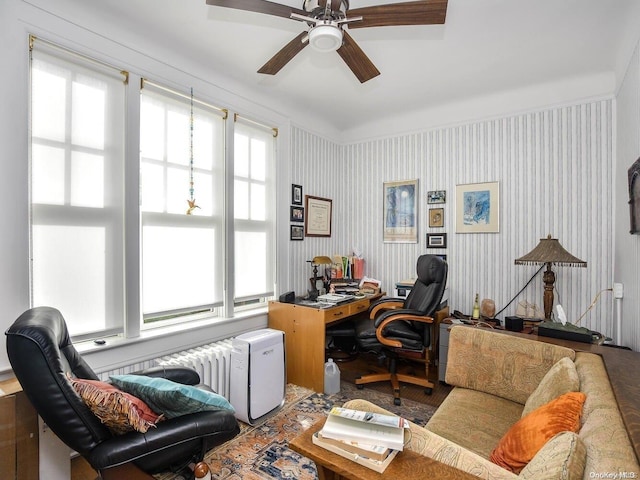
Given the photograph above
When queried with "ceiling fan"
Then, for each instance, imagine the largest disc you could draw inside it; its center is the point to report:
(326, 20)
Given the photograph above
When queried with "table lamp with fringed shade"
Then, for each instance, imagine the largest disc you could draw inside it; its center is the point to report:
(549, 251)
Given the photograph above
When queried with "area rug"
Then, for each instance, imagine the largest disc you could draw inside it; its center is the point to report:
(261, 452)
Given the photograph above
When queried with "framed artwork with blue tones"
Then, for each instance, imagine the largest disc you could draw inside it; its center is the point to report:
(478, 208)
(400, 222)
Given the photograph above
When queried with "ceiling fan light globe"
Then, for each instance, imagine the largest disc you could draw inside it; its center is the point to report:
(325, 38)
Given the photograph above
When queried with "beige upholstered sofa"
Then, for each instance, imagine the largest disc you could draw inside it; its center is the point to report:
(498, 379)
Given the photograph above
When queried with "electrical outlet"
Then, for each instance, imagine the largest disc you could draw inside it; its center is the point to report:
(618, 290)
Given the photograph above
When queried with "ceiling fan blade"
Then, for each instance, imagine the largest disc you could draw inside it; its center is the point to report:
(284, 56)
(259, 6)
(422, 12)
(356, 59)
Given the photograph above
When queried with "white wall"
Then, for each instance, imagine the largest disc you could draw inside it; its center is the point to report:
(627, 246)
(555, 169)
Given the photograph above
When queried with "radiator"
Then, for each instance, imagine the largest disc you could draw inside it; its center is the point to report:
(211, 361)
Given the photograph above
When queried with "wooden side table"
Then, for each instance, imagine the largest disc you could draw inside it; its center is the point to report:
(407, 464)
(18, 433)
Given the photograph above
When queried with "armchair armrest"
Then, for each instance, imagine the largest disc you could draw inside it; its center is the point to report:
(387, 303)
(391, 316)
(184, 375)
(150, 449)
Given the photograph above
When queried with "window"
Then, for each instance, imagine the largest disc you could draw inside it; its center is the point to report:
(254, 219)
(182, 255)
(192, 257)
(77, 156)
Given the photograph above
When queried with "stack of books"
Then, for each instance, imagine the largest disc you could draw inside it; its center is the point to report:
(370, 439)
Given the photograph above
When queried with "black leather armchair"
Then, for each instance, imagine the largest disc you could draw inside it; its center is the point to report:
(402, 327)
(41, 354)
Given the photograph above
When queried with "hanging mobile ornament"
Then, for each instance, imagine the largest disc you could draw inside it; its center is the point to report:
(191, 201)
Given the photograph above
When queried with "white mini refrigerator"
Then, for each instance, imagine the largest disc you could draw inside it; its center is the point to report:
(258, 374)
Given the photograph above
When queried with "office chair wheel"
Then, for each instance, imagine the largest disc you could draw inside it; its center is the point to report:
(396, 402)
(360, 387)
(428, 391)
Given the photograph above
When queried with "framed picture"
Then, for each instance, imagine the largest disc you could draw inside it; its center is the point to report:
(317, 222)
(437, 196)
(296, 194)
(478, 208)
(436, 217)
(297, 214)
(633, 174)
(436, 240)
(400, 215)
(442, 256)
(297, 232)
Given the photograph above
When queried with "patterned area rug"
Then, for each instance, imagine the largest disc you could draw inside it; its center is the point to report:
(261, 452)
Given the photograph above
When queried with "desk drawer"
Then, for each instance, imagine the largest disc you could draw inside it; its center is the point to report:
(358, 307)
(336, 313)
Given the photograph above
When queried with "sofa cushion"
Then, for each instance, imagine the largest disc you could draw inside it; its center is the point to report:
(562, 457)
(432, 445)
(171, 398)
(527, 436)
(121, 412)
(562, 378)
(499, 363)
(475, 420)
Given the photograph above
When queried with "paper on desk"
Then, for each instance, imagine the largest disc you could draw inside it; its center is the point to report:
(370, 280)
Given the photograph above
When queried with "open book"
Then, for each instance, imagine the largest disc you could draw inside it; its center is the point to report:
(365, 427)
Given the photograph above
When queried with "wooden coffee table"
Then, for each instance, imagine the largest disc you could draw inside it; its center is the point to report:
(407, 464)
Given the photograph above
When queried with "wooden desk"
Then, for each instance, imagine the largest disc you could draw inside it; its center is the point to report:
(407, 464)
(304, 329)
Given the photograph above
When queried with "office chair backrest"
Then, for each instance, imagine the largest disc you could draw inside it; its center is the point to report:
(426, 293)
(41, 354)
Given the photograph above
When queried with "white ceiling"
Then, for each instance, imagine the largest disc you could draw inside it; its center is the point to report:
(485, 46)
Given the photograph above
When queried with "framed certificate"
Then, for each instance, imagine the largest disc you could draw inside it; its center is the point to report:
(317, 222)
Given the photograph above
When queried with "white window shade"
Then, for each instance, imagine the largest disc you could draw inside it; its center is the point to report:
(254, 211)
(182, 255)
(76, 166)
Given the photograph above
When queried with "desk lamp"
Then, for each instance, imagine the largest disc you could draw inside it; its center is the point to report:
(547, 252)
(315, 263)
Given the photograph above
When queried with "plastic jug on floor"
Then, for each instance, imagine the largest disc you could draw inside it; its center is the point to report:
(331, 377)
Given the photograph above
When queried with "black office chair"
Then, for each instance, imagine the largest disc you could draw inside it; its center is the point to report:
(41, 354)
(402, 327)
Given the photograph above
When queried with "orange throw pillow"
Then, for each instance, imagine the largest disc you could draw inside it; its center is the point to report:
(523, 440)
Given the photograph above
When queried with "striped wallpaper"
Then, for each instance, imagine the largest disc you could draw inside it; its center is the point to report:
(555, 170)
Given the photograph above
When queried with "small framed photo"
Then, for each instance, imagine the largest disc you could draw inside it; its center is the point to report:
(436, 217)
(296, 194)
(297, 214)
(442, 256)
(297, 232)
(436, 240)
(437, 196)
